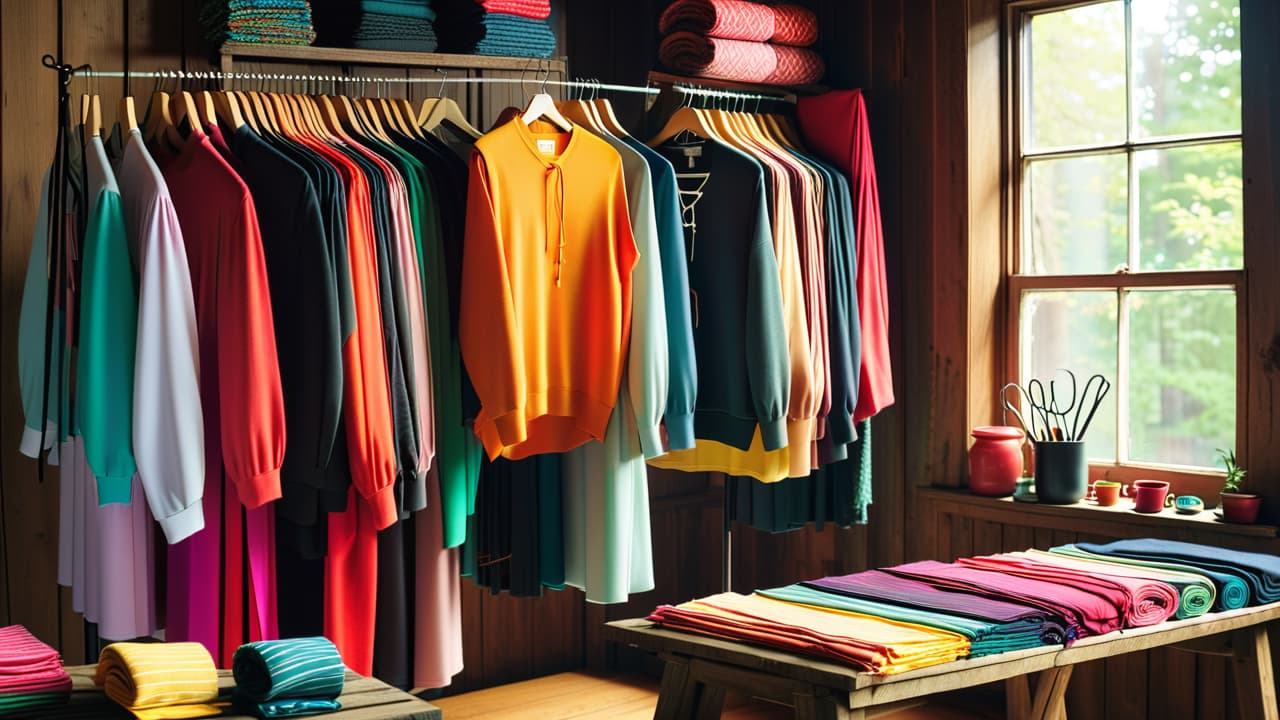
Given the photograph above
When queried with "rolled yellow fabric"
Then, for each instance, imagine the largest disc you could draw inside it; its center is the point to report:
(160, 681)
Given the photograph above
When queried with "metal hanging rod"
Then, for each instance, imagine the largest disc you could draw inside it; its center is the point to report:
(686, 89)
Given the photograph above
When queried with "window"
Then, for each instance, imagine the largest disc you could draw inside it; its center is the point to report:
(1126, 223)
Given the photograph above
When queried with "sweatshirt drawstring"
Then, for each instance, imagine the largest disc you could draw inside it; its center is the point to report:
(555, 204)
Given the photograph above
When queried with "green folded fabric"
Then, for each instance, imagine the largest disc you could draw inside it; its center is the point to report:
(23, 701)
(288, 678)
(1199, 591)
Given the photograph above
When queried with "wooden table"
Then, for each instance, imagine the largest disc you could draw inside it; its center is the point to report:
(362, 699)
(700, 669)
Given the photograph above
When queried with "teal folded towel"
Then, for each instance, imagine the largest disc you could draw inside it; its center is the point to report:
(288, 678)
(421, 10)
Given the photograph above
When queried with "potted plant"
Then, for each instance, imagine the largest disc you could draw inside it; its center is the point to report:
(1237, 506)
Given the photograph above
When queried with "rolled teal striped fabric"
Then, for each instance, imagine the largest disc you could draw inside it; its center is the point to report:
(288, 678)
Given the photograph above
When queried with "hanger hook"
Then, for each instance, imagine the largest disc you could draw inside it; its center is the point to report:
(444, 77)
(546, 74)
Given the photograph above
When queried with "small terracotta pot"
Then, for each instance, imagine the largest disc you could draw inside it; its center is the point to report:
(1149, 495)
(1106, 492)
(1240, 507)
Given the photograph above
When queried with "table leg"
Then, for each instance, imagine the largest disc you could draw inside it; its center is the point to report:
(1017, 691)
(1051, 694)
(824, 707)
(1255, 680)
(671, 693)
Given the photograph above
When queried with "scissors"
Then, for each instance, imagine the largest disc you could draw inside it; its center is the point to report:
(1077, 430)
(1028, 428)
(1059, 413)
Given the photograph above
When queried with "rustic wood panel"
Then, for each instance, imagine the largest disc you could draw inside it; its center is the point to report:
(27, 133)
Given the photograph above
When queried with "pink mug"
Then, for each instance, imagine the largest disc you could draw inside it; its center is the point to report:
(1149, 495)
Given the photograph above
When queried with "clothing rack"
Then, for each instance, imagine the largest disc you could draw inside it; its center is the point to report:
(687, 88)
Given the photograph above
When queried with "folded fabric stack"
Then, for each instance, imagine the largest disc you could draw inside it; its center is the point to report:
(741, 41)
(517, 28)
(288, 678)
(908, 616)
(873, 644)
(156, 681)
(31, 673)
(266, 22)
(407, 25)
(1011, 624)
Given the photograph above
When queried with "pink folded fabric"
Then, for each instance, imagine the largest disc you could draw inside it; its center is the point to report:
(740, 61)
(28, 665)
(1141, 601)
(739, 20)
(534, 9)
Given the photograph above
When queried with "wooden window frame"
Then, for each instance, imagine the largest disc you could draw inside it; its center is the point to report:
(1018, 14)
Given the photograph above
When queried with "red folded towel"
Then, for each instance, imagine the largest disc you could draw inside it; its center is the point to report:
(753, 62)
(535, 9)
(739, 20)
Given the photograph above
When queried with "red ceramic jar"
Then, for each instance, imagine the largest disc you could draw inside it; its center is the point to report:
(995, 460)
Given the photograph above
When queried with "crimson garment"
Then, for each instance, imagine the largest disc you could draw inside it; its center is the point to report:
(884, 587)
(1141, 601)
(1086, 613)
(835, 126)
(243, 408)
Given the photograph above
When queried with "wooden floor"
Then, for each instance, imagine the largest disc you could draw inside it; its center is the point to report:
(583, 696)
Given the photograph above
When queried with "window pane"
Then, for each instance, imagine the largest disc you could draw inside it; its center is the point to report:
(1077, 76)
(1191, 214)
(1186, 66)
(1078, 215)
(1182, 366)
(1074, 330)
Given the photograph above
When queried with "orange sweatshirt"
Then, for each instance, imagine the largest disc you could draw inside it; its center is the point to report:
(546, 287)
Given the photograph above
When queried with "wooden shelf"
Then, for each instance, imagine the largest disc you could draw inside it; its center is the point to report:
(1088, 516)
(349, 56)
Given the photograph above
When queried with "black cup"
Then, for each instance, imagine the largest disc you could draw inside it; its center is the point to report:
(1062, 475)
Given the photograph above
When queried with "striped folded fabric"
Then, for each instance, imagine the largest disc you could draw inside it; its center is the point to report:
(31, 673)
(740, 61)
(1196, 593)
(1232, 592)
(532, 9)
(391, 32)
(740, 20)
(1261, 572)
(516, 36)
(288, 678)
(160, 681)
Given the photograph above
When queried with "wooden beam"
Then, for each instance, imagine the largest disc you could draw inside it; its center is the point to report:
(1254, 674)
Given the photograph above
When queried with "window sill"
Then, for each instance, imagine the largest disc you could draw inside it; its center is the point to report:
(1087, 516)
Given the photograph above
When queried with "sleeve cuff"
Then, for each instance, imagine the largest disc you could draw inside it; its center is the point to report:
(651, 441)
(383, 504)
(680, 432)
(30, 444)
(774, 434)
(259, 489)
(115, 490)
(183, 524)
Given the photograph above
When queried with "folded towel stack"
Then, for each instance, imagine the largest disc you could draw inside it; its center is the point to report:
(741, 41)
(266, 22)
(407, 25)
(31, 674)
(518, 28)
(158, 681)
(288, 678)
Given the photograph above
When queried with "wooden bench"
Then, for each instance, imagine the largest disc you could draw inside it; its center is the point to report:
(362, 699)
(700, 669)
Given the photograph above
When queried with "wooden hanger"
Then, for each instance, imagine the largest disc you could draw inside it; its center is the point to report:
(126, 115)
(369, 115)
(300, 114)
(204, 105)
(332, 119)
(684, 119)
(160, 121)
(782, 125)
(184, 108)
(428, 105)
(580, 112)
(447, 110)
(391, 116)
(604, 110)
(91, 114)
(408, 117)
(346, 111)
(543, 106)
(226, 109)
(248, 113)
